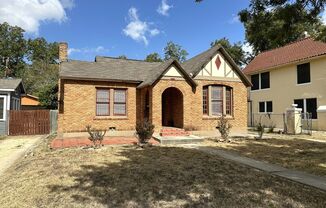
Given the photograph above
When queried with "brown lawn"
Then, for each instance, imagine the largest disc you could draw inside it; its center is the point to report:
(287, 151)
(151, 177)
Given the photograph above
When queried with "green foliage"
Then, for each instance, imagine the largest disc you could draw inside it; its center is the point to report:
(144, 131)
(122, 57)
(235, 50)
(96, 136)
(12, 45)
(175, 51)
(33, 60)
(224, 127)
(153, 57)
(273, 23)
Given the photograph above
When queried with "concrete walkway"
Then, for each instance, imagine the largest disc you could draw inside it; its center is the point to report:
(15, 147)
(298, 176)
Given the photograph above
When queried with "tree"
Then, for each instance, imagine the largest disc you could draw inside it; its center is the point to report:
(175, 51)
(12, 46)
(236, 52)
(122, 57)
(40, 50)
(48, 96)
(273, 23)
(153, 57)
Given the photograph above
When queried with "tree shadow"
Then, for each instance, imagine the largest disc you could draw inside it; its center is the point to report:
(178, 177)
(291, 153)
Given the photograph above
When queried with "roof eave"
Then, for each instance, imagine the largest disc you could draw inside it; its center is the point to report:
(99, 79)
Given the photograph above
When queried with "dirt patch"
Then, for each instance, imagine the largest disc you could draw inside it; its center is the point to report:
(150, 177)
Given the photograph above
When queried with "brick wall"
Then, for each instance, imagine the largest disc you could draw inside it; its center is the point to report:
(192, 108)
(79, 98)
(78, 107)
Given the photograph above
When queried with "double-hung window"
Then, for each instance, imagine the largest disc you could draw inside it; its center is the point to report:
(111, 102)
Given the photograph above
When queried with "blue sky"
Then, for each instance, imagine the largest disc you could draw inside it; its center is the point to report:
(129, 27)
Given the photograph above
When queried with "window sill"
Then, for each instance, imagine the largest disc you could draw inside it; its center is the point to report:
(303, 84)
(259, 90)
(217, 117)
(110, 118)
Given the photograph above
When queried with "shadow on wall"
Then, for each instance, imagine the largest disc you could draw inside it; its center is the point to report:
(171, 177)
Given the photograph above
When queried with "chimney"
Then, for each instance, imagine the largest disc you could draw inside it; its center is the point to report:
(63, 51)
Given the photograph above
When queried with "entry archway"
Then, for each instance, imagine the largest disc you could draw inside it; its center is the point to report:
(172, 107)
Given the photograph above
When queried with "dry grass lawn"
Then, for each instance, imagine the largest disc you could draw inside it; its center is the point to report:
(288, 151)
(151, 177)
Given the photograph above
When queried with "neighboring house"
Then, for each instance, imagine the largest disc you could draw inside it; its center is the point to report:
(30, 102)
(293, 74)
(112, 93)
(10, 93)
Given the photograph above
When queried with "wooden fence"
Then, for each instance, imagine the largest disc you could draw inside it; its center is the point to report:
(29, 122)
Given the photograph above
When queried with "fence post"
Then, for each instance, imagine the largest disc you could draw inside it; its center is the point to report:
(53, 121)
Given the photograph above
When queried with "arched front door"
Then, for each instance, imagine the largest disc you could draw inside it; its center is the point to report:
(172, 107)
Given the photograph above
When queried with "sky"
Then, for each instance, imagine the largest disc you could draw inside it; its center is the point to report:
(126, 27)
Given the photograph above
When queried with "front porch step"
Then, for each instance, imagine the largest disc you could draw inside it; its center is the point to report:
(172, 140)
(170, 132)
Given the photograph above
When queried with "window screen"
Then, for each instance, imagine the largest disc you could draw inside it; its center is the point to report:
(102, 102)
(255, 82)
(119, 107)
(303, 73)
(264, 80)
(217, 100)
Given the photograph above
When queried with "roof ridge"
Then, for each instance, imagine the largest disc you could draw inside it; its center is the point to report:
(124, 59)
(215, 46)
(290, 43)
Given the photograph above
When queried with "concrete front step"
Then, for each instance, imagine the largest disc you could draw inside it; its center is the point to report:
(170, 131)
(170, 140)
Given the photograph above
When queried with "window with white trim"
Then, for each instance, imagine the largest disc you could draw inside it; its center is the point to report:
(111, 102)
(217, 100)
(260, 81)
(308, 105)
(266, 107)
(2, 108)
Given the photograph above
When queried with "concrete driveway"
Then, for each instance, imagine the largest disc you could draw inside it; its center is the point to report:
(14, 147)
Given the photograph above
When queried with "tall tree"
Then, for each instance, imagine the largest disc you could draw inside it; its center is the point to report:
(153, 57)
(235, 50)
(273, 23)
(12, 47)
(175, 51)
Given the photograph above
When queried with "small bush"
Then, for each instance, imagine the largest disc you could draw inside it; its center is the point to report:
(261, 129)
(144, 131)
(96, 136)
(224, 127)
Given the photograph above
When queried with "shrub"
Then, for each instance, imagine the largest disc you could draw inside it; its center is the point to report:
(144, 131)
(224, 127)
(96, 136)
(261, 129)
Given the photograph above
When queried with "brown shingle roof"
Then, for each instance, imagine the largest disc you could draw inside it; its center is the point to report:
(297, 51)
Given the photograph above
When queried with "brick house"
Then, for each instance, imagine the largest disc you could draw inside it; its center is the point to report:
(112, 93)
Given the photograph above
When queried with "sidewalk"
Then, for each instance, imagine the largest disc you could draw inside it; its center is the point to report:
(298, 176)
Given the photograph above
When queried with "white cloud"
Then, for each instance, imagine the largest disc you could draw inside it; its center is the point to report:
(138, 30)
(323, 17)
(68, 4)
(28, 14)
(247, 48)
(98, 49)
(234, 19)
(164, 8)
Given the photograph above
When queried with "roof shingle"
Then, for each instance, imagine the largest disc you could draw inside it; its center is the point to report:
(297, 51)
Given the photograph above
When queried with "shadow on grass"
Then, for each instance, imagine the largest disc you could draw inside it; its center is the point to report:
(298, 154)
(178, 177)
